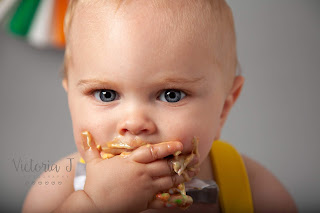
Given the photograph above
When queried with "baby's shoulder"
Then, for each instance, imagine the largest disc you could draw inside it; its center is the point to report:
(268, 193)
(55, 186)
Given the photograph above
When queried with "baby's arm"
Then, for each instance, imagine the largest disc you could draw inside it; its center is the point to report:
(49, 198)
(268, 194)
(115, 185)
(45, 198)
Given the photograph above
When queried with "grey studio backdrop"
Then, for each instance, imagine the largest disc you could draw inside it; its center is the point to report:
(276, 120)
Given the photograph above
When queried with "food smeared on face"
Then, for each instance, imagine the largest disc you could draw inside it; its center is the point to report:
(174, 197)
(119, 146)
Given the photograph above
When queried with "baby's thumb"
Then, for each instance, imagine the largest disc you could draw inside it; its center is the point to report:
(90, 149)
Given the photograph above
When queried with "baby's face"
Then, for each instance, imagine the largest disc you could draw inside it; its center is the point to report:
(132, 77)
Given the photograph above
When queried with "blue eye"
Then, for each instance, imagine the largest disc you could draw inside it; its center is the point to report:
(172, 95)
(105, 95)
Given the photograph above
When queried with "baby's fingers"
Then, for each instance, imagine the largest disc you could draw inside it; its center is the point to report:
(164, 167)
(150, 153)
(156, 204)
(167, 182)
(175, 200)
(91, 152)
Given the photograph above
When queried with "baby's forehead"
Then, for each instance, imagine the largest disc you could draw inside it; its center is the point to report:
(156, 23)
(188, 19)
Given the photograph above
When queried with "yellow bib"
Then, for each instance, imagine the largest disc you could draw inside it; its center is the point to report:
(232, 179)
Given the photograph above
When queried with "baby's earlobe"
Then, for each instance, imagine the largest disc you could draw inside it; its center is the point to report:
(65, 84)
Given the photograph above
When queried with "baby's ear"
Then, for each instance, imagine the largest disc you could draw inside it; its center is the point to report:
(65, 84)
(231, 99)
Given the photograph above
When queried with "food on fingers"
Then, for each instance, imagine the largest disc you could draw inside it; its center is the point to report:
(174, 197)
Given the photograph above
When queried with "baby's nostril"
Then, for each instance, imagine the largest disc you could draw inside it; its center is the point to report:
(123, 131)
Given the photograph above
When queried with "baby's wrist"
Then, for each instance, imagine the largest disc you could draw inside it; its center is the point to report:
(89, 201)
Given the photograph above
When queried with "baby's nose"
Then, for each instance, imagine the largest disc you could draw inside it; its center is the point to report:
(136, 124)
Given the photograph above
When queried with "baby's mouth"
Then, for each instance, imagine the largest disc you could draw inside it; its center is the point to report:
(125, 143)
(120, 146)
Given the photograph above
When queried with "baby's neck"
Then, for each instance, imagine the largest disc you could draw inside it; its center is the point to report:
(206, 172)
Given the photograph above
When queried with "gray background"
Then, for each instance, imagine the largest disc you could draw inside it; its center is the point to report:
(276, 120)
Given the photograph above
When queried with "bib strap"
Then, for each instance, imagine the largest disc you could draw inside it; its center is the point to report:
(231, 177)
(82, 160)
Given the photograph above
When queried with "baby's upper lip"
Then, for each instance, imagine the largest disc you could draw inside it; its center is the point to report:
(126, 143)
(131, 143)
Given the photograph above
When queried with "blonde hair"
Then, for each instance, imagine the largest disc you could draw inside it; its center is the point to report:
(220, 16)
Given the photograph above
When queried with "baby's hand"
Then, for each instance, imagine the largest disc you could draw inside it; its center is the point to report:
(130, 184)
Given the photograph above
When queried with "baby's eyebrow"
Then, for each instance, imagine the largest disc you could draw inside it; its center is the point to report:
(93, 81)
(180, 80)
(167, 80)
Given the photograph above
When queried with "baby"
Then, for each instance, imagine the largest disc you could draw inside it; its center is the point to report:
(163, 72)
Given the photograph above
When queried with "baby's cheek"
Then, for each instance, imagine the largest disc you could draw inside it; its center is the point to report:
(204, 149)
(204, 135)
(80, 149)
(78, 141)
